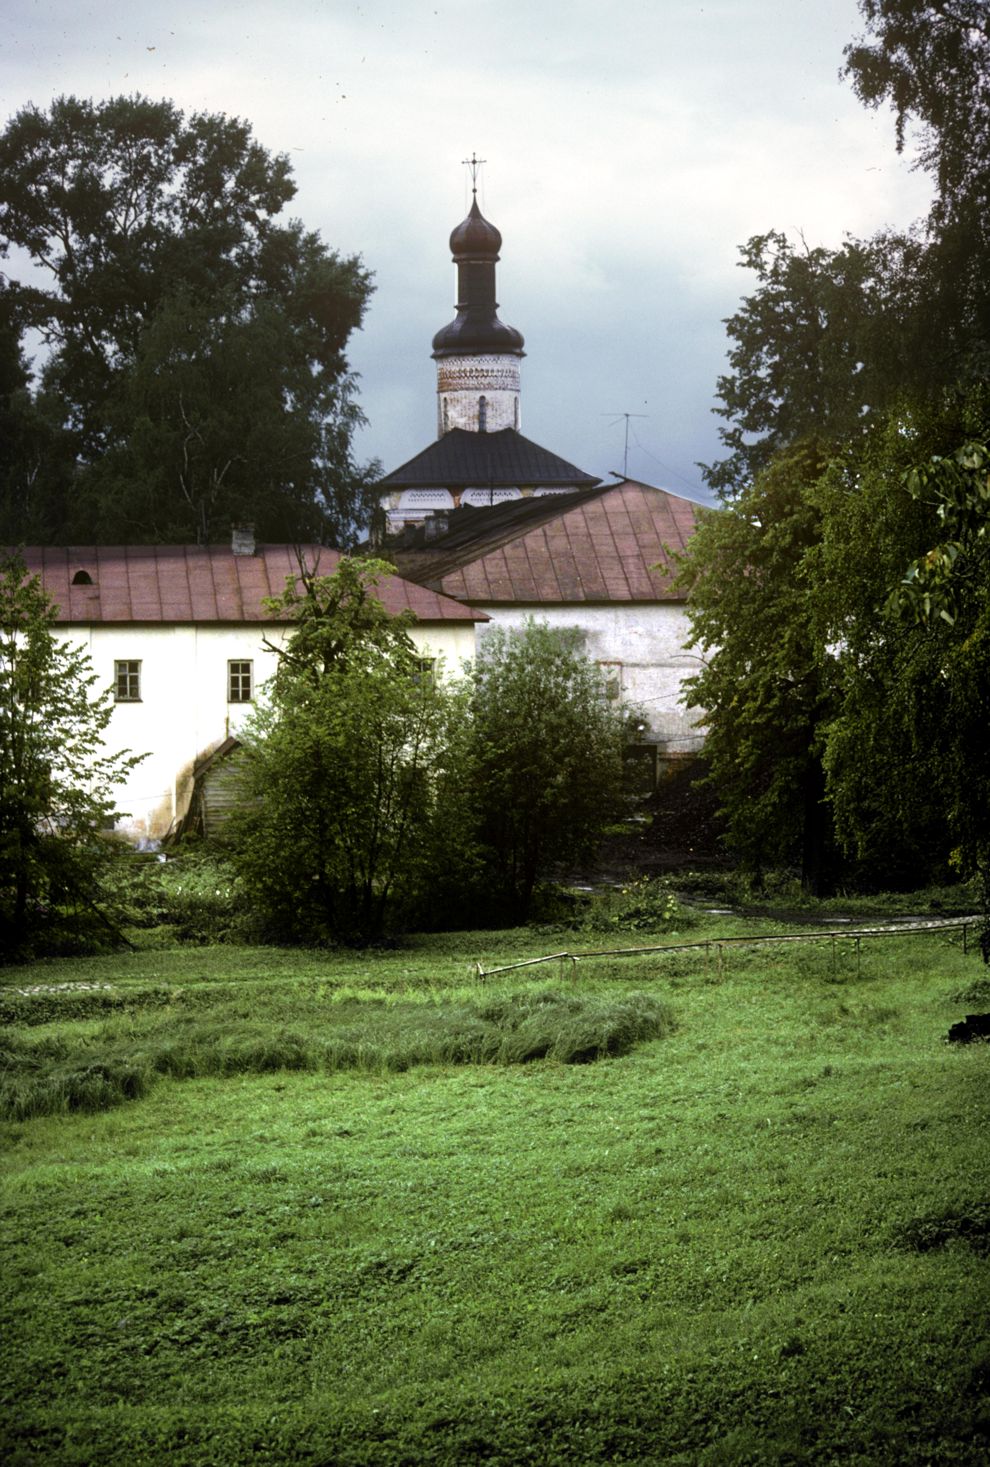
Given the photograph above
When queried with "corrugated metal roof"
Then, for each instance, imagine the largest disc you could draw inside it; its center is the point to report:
(609, 545)
(201, 583)
(462, 460)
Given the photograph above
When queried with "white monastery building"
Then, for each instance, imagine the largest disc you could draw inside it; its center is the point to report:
(484, 526)
(182, 635)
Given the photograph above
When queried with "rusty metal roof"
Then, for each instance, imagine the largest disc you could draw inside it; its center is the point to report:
(610, 545)
(200, 583)
(463, 460)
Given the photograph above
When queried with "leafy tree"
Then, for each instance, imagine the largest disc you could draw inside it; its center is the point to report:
(352, 768)
(546, 756)
(878, 593)
(56, 782)
(907, 754)
(949, 578)
(196, 344)
(817, 346)
(930, 59)
(765, 687)
(831, 340)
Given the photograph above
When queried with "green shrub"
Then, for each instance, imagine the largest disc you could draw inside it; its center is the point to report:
(647, 904)
(195, 896)
(976, 992)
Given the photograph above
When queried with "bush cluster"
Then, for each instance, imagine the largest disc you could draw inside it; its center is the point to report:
(645, 904)
(194, 896)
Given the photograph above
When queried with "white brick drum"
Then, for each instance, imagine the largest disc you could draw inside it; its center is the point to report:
(479, 393)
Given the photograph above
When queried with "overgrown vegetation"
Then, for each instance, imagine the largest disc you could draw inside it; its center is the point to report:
(642, 904)
(353, 764)
(760, 1237)
(120, 1060)
(192, 895)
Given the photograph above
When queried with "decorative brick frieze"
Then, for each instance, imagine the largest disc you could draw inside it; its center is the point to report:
(489, 373)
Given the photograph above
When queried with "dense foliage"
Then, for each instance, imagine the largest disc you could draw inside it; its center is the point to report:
(194, 369)
(382, 794)
(348, 765)
(546, 757)
(56, 781)
(841, 593)
(751, 611)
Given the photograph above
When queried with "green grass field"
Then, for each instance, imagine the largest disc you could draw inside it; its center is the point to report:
(738, 1212)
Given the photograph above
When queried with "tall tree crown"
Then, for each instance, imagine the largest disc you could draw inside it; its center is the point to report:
(196, 341)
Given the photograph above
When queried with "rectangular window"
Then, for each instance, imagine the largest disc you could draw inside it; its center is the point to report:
(239, 682)
(127, 680)
(426, 671)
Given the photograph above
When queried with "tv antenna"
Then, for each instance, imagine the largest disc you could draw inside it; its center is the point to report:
(625, 452)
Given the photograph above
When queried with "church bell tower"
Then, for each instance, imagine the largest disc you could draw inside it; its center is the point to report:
(477, 355)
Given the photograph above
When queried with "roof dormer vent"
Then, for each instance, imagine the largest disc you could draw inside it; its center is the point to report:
(82, 578)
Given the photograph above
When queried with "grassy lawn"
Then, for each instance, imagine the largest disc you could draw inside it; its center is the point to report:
(351, 1218)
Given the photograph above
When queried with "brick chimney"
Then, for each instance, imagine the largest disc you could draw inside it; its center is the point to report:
(242, 539)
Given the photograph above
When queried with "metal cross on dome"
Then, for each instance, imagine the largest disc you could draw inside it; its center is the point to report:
(474, 164)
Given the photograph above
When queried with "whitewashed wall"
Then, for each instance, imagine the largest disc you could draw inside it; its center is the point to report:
(643, 648)
(183, 713)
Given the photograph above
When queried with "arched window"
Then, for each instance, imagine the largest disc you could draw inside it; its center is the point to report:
(515, 413)
(446, 416)
(482, 414)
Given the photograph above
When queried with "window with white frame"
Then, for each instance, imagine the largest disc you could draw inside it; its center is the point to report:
(240, 681)
(127, 682)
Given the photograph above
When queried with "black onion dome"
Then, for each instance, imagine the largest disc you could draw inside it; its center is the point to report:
(475, 236)
(476, 329)
(466, 335)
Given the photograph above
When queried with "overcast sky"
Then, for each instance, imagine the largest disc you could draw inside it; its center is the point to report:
(630, 150)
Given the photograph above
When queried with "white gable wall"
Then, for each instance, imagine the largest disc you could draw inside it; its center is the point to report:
(643, 646)
(183, 713)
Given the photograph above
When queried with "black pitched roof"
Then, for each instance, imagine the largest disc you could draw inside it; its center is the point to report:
(610, 544)
(461, 460)
(472, 531)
